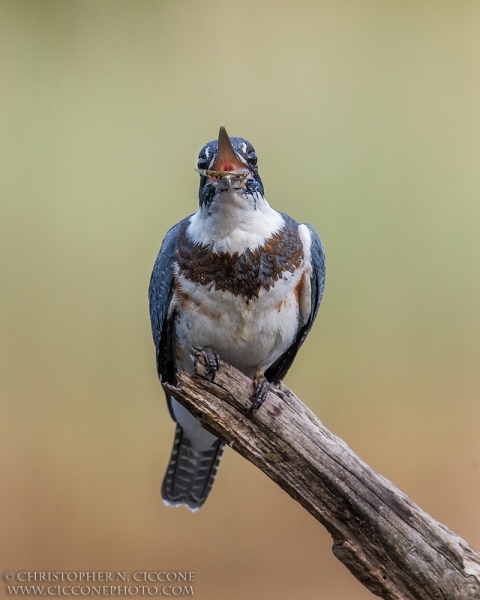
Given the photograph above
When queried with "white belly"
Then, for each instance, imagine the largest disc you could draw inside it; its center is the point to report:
(249, 334)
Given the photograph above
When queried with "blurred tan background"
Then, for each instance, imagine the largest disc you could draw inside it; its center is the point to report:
(365, 117)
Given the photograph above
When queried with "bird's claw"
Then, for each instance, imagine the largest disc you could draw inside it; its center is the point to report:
(261, 387)
(213, 363)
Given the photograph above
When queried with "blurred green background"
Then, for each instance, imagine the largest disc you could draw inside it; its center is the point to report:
(365, 117)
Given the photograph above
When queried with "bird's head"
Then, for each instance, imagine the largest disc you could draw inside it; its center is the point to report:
(228, 164)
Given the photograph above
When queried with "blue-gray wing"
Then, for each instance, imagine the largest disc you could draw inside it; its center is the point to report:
(279, 369)
(160, 295)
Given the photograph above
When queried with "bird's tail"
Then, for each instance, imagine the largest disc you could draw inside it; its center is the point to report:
(190, 473)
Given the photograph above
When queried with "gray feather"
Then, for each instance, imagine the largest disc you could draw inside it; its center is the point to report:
(190, 473)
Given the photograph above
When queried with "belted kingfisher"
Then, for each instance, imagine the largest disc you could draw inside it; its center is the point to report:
(242, 282)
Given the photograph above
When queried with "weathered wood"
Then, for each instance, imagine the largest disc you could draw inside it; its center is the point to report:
(389, 544)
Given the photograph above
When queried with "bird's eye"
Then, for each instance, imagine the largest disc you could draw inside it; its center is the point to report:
(202, 162)
(252, 157)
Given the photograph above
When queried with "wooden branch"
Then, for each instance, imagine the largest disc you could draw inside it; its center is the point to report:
(389, 544)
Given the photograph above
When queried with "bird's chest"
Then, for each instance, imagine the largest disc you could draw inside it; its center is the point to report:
(245, 307)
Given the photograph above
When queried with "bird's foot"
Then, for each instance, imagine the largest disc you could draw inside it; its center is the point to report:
(213, 362)
(261, 386)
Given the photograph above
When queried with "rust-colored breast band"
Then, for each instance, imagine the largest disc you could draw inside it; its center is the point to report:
(245, 274)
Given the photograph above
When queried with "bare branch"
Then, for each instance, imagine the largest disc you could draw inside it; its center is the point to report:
(389, 544)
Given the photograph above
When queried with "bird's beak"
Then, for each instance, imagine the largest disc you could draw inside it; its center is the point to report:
(226, 158)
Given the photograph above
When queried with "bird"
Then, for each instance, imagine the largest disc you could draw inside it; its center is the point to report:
(241, 282)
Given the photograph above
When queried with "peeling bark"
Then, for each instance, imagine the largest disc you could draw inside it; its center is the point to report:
(389, 544)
